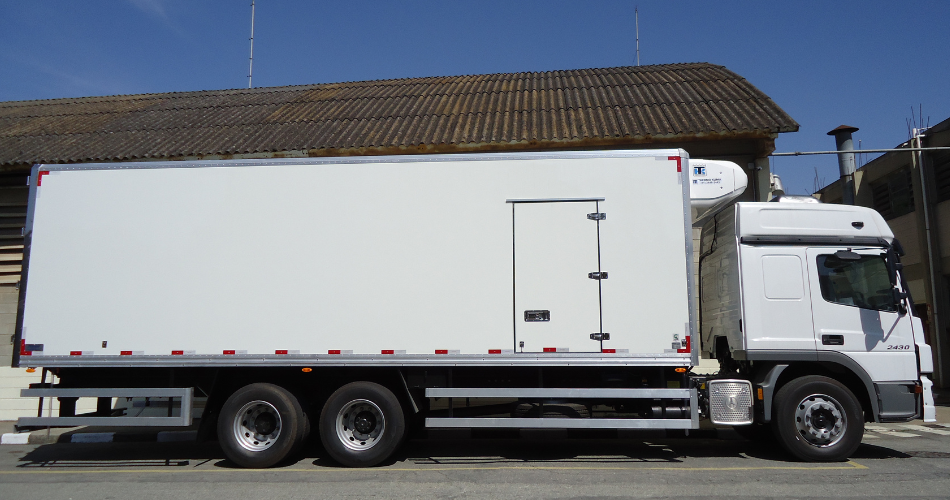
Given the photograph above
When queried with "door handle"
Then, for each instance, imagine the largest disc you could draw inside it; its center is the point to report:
(832, 339)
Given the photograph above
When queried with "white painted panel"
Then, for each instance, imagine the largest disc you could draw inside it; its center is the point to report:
(782, 277)
(807, 219)
(411, 256)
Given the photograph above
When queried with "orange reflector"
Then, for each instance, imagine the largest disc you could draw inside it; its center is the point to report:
(918, 389)
(680, 370)
(306, 370)
(759, 393)
(31, 370)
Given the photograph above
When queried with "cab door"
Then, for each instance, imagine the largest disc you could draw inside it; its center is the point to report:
(855, 312)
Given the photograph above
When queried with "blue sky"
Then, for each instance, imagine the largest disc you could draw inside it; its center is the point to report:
(861, 63)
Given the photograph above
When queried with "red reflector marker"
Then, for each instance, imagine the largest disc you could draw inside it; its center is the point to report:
(679, 162)
(23, 351)
(75, 353)
(494, 351)
(550, 349)
(333, 351)
(178, 353)
(125, 353)
(441, 351)
(280, 351)
(608, 351)
(387, 351)
(228, 351)
(687, 348)
(39, 177)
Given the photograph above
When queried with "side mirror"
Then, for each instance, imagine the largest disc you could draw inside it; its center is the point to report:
(899, 297)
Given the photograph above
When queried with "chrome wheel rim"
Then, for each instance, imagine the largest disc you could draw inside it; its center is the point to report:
(360, 424)
(821, 420)
(257, 426)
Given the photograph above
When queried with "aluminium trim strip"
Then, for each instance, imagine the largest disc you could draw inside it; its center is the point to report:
(528, 392)
(436, 158)
(564, 423)
(183, 421)
(336, 360)
(554, 200)
(108, 393)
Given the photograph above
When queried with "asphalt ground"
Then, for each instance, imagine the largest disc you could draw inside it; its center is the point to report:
(893, 461)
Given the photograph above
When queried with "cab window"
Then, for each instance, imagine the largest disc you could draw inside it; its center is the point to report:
(860, 283)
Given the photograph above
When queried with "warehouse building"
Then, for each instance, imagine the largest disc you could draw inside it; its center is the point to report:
(705, 109)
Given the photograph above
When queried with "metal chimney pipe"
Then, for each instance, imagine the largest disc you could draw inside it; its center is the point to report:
(845, 161)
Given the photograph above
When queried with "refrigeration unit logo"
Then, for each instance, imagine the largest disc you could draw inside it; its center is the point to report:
(700, 176)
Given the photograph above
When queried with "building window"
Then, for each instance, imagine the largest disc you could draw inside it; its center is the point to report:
(941, 165)
(894, 194)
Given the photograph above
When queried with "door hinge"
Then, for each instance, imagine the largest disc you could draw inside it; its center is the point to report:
(600, 336)
(597, 276)
(597, 216)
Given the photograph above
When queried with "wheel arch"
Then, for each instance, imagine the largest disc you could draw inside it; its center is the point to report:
(854, 378)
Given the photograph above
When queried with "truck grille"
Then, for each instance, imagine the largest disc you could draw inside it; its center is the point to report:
(730, 402)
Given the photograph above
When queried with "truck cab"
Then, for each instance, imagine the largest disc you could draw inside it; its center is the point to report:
(810, 298)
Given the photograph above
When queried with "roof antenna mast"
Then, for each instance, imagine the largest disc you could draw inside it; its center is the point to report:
(250, 69)
(636, 17)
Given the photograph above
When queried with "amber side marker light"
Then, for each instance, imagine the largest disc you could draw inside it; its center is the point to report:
(760, 394)
(31, 370)
(680, 370)
(306, 370)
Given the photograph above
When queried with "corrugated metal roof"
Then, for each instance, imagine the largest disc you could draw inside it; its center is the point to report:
(620, 105)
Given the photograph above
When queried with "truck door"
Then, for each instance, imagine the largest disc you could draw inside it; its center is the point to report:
(557, 288)
(855, 312)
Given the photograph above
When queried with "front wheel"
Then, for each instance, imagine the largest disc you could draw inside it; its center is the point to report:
(362, 424)
(818, 419)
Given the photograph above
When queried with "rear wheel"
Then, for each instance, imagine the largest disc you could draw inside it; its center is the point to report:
(260, 425)
(362, 424)
(818, 419)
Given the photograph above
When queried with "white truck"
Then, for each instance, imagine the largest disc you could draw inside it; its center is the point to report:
(367, 296)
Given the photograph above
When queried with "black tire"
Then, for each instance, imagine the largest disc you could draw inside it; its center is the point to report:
(362, 424)
(260, 425)
(818, 419)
